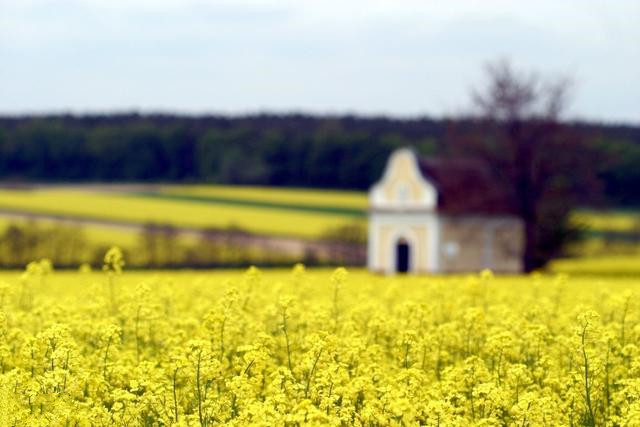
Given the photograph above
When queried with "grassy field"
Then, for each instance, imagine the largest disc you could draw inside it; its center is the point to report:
(321, 347)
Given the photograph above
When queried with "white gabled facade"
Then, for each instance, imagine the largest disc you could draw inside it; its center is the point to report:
(402, 209)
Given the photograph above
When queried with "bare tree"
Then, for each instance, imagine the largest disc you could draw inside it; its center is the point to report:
(547, 169)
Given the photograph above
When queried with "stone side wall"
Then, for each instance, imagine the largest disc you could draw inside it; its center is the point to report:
(472, 243)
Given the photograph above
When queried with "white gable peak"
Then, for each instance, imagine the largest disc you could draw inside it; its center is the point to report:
(403, 187)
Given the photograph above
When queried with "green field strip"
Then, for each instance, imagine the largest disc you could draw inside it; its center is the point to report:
(334, 210)
(285, 195)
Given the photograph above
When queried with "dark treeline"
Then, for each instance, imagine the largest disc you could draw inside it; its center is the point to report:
(292, 150)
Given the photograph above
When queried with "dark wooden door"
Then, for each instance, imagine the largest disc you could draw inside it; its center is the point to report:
(402, 256)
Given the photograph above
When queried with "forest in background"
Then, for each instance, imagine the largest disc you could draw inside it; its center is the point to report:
(345, 152)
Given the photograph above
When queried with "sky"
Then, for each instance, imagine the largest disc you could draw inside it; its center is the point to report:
(402, 58)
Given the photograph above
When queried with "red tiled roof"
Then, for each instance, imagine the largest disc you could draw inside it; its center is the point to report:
(466, 186)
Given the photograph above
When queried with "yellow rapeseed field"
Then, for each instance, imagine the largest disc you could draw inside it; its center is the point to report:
(316, 347)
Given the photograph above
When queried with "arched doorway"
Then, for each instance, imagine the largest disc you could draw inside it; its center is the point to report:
(403, 253)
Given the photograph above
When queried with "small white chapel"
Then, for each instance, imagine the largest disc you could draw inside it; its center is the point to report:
(432, 215)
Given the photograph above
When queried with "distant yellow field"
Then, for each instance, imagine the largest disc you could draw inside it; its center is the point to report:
(608, 220)
(141, 208)
(623, 265)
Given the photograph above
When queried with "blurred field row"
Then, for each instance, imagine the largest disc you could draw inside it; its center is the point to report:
(287, 211)
(98, 235)
(114, 215)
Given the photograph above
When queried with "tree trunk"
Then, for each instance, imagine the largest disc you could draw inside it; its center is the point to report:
(529, 257)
